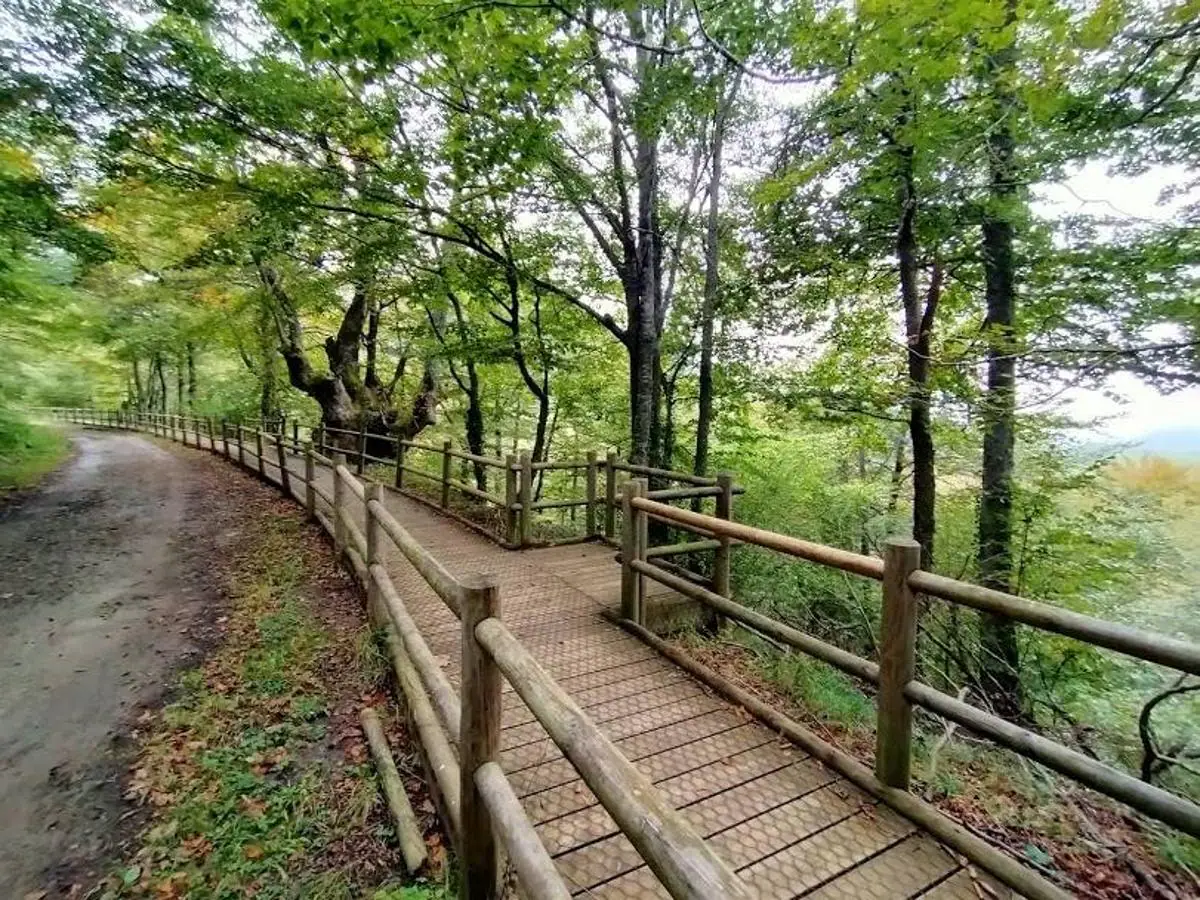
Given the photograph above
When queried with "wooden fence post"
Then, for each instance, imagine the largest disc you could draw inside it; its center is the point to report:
(633, 547)
(258, 443)
(310, 473)
(285, 478)
(295, 435)
(241, 439)
(589, 519)
(510, 499)
(362, 448)
(526, 490)
(196, 422)
(724, 511)
(339, 499)
(372, 491)
(445, 473)
(610, 495)
(479, 740)
(225, 437)
(321, 439)
(897, 664)
(399, 463)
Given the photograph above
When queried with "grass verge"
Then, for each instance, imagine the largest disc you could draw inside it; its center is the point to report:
(28, 453)
(256, 779)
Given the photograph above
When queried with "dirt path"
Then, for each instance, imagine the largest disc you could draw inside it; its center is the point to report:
(102, 592)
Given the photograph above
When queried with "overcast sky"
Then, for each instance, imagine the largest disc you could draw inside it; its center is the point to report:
(1129, 409)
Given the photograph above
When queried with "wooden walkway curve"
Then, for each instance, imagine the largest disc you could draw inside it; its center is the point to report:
(788, 825)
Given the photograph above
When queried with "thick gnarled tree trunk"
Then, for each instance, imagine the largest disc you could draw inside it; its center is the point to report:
(346, 400)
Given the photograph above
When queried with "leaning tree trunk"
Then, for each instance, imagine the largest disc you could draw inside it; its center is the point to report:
(1000, 665)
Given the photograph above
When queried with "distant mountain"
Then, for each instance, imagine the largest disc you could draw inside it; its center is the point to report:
(1178, 442)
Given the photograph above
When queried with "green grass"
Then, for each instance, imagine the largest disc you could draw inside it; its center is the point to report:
(250, 795)
(28, 453)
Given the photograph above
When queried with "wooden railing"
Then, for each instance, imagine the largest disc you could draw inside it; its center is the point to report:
(476, 798)
(898, 692)
(515, 504)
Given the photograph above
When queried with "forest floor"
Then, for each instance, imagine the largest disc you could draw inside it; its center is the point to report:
(184, 665)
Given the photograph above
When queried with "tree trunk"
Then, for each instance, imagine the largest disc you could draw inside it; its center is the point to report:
(1000, 665)
(140, 396)
(191, 376)
(712, 282)
(345, 401)
(179, 363)
(162, 383)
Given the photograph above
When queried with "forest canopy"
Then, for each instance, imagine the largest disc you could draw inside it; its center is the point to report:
(808, 242)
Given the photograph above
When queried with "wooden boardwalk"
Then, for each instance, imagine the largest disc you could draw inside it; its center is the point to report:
(787, 824)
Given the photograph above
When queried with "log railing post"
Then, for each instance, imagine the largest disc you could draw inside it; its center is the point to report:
(610, 495)
(310, 474)
(372, 491)
(225, 437)
(510, 500)
(285, 478)
(589, 519)
(526, 490)
(897, 664)
(321, 439)
(295, 435)
(196, 422)
(479, 740)
(362, 448)
(339, 501)
(724, 511)
(633, 546)
(241, 441)
(258, 443)
(399, 463)
(446, 473)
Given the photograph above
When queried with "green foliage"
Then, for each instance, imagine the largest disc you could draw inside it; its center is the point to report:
(27, 451)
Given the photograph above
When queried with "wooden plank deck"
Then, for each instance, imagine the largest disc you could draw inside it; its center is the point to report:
(787, 824)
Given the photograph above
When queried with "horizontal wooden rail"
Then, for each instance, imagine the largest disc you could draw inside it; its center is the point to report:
(869, 566)
(538, 876)
(443, 583)
(1023, 880)
(828, 653)
(686, 547)
(352, 482)
(903, 581)
(433, 678)
(322, 493)
(664, 473)
(475, 458)
(1153, 801)
(683, 862)
(684, 493)
(555, 504)
(559, 465)
(1156, 648)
